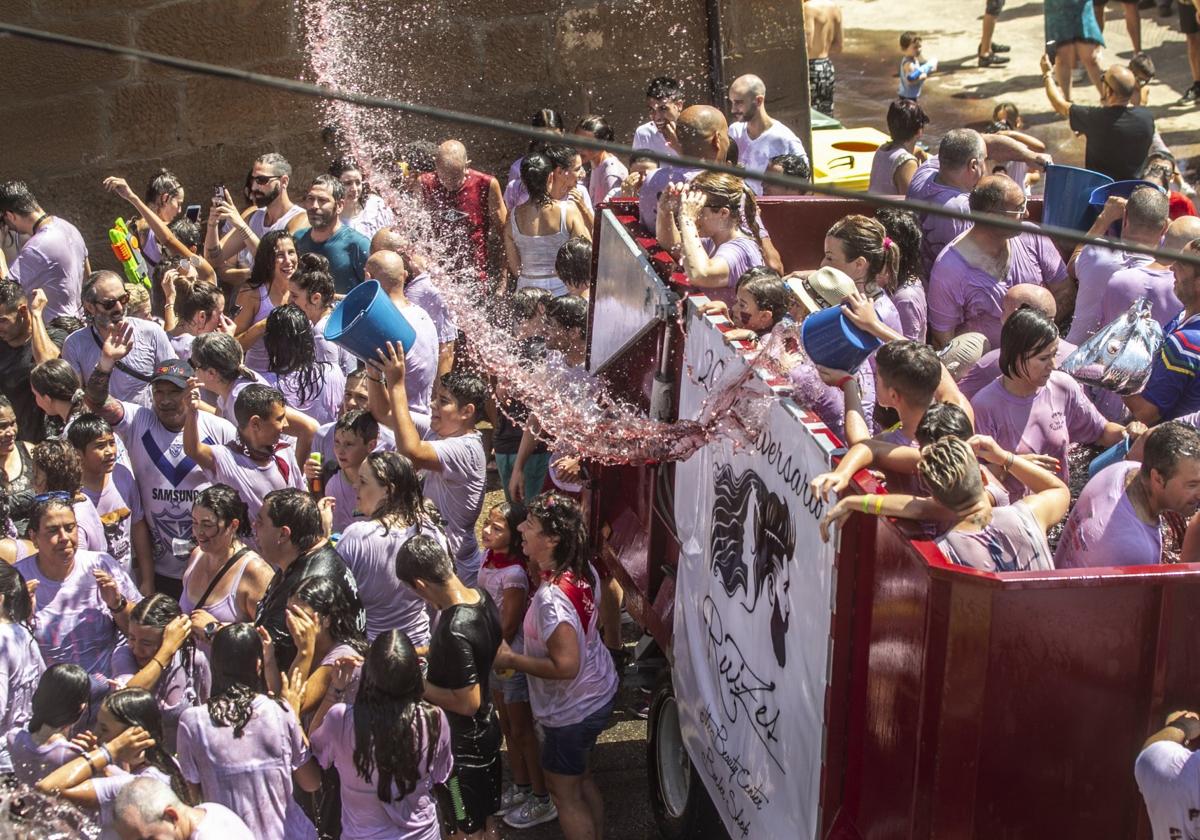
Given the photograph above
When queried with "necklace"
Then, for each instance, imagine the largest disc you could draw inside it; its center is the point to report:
(38, 222)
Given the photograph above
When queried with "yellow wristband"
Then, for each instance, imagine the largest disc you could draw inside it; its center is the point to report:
(866, 501)
(878, 505)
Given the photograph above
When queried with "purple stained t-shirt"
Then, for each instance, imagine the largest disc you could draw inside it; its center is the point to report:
(936, 231)
(1012, 542)
(420, 363)
(345, 498)
(21, 667)
(364, 815)
(219, 823)
(910, 303)
(741, 254)
(1142, 281)
(1046, 423)
(1093, 267)
(1104, 529)
(421, 291)
(457, 492)
(253, 480)
(323, 401)
(151, 347)
(31, 761)
(107, 787)
(887, 159)
(53, 260)
(119, 506)
(963, 298)
(828, 402)
(89, 527)
(985, 371)
(185, 683)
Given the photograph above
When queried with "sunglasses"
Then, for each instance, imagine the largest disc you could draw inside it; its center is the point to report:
(263, 180)
(55, 495)
(111, 303)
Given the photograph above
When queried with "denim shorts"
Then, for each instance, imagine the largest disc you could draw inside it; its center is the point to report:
(515, 689)
(565, 748)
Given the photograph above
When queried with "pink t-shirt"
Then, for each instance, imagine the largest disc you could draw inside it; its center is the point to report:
(364, 815)
(494, 580)
(1047, 423)
(252, 480)
(1104, 529)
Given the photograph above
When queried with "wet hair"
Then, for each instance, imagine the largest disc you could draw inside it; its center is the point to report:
(40, 509)
(561, 155)
(1166, 445)
(186, 231)
(395, 731)
(359, 422)
(908, 38)
(11, 295)
(296, 510)
(535, 175)
(1025, 334)
(568, 312)
(137, 707)
(795, 166)
(277, 162)
(514, 514)
(1148, 208)
(423, 558)
(18, 605)
(60, 698)
(255, 400)
(467, 388)
(403, 503)
(905, 119)
(664, 87)
(313, 278)
(903, 228)
(328, 182)
(87, 428)
(768, 290)
(292, 352)
(547, 118)
(862, 236)
(950, 471)
(911, 368)
(596, 126)
(157, 611)
(198, 298)
(220, 353)
(731, 192)
(57, 460)
(561, 517)
(959, 147)
(1007, 113)
(162, 183)
(262, 272)
(525, 302)
(66, 323)
(329, 600)
(236, 663)
(16, 197)
(226, 505)
(942, 419)
(419, 155)
(573, 264)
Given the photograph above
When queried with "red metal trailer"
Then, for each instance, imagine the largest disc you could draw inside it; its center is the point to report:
(949, 703)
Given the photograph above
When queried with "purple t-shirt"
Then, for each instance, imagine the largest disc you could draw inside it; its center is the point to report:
(21, 667)
(72, 622)
(1104, 529)
(346, 500)
(985, 371)
(32, 762)
(184, 683)
(370, 555)
(829, 403)
(225, 405)
(910, 303)
(119, 506)
(151, 347)
(323, 441)
(326, 351)
(1047, 423)
(324, 403)
(421, 291)
(250, 775)
(53, 260)
(887, 159)
(457, 492)
(1012, 542)
(420, 363)
(364, 815)
(936, 231)
(741, 254)
(605, 177)
(220, 823)
(655, 186)
(252, 480)
(1129, 284)
(89, 527)
(107, 787)
(1093, 267)
(961, 295)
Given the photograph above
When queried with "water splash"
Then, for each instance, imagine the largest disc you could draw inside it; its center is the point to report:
(26, 814)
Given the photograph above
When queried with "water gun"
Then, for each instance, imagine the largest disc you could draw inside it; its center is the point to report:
(125, 249)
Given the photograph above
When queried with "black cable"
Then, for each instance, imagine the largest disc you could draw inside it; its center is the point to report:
(367, 101)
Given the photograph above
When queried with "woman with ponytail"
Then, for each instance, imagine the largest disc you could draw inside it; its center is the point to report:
(325, 626)
(389, 746)
(705, 226)
(860, 247)
(21, 663)
(44, 744)
(538, 227)
(243, 749)
(905, 284)
(57, 392)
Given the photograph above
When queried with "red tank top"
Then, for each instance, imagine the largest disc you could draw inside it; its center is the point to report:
(462, 215)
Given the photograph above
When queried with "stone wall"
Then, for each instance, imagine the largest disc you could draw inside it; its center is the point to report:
(72, 117)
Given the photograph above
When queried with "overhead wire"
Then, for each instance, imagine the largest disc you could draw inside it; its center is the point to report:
(315, 91)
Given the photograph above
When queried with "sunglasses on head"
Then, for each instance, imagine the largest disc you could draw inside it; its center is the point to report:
(54, 495)
(263, 180)
(111, 303)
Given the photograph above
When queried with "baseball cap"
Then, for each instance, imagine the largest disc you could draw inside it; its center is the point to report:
(822, 289)
(174, 371)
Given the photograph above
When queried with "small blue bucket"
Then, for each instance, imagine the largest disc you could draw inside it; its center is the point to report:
(1121, 189)
(1069, 190)
(833, 342)
(365, 320)
(1113, 455)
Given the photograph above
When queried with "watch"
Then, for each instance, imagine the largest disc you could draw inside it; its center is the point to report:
(211, 629)
(120, 606)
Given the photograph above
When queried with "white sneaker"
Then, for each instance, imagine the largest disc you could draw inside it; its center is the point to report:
(512, 797)
(534, 811)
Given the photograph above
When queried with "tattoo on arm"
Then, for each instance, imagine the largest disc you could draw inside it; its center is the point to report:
(96, 395)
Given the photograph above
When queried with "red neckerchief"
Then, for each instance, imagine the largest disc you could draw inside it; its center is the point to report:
(501, 560)
(284, 469)
(578, 591)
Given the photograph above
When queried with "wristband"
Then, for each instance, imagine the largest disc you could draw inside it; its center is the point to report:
(120, 607)
(107, 753)
(88, 758)
(878, 505)
(866, 502)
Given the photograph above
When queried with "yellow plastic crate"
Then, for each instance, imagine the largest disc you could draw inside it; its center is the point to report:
(842, 157)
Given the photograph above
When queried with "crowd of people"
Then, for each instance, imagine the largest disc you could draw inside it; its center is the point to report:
(243, 593)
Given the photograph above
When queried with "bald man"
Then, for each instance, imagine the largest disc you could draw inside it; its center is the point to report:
(420, 289)
(421, 358)
(467, 208)
(758, 137)
(1118, 133)
(987, 368)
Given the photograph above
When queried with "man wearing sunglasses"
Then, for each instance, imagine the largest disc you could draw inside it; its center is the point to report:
(275, 210)
(54, 259)
(105, 301)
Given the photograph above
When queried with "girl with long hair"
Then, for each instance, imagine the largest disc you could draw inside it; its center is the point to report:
(243, 749)
(312, 288)
(388, 745)
(389, 494)
(44, 743)
(572, 680)
(275, 261)
(311, 386)
(20, 660)
(896, 161)
(860, 247)
(538, 228)
(220, 367)
(323, 623)
(16, 477)
(364, 211)
(57, 392)
(905, 282)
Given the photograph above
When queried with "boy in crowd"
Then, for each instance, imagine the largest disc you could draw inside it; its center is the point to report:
(355, 436)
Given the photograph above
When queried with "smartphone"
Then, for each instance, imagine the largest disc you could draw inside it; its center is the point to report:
(219, 192)
(193, 212)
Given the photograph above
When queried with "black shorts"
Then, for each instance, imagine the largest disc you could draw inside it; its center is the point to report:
(1187, 20)
(472, 793)
(995, 7)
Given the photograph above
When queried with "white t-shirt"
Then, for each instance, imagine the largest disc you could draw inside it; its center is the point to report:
(494, 580)
(168, 479)
(647, 136)
(151, 347)
(252, 480)
(457, 492)
(606, 176)
(755, 154)
(220, 823)
(1168, 775)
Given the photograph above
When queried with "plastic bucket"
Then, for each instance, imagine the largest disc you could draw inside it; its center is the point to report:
(1121, 189)
(833, 342)
(1114, 454)
(365, 320)
(1068, 196)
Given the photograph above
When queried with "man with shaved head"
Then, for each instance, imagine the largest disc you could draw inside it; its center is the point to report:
(703, 133)
(391, 270)
(758, 137)
(1146, 210)
(467, 207)
(973, 273)
(420, 289)
(1118, 133)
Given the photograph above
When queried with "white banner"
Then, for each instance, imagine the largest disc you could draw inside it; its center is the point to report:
(752, 610)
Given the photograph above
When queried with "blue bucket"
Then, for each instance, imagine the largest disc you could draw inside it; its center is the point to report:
(1068, 196)
(833, 342)
(1121, 189)
(1113, 455)
(365, 320)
